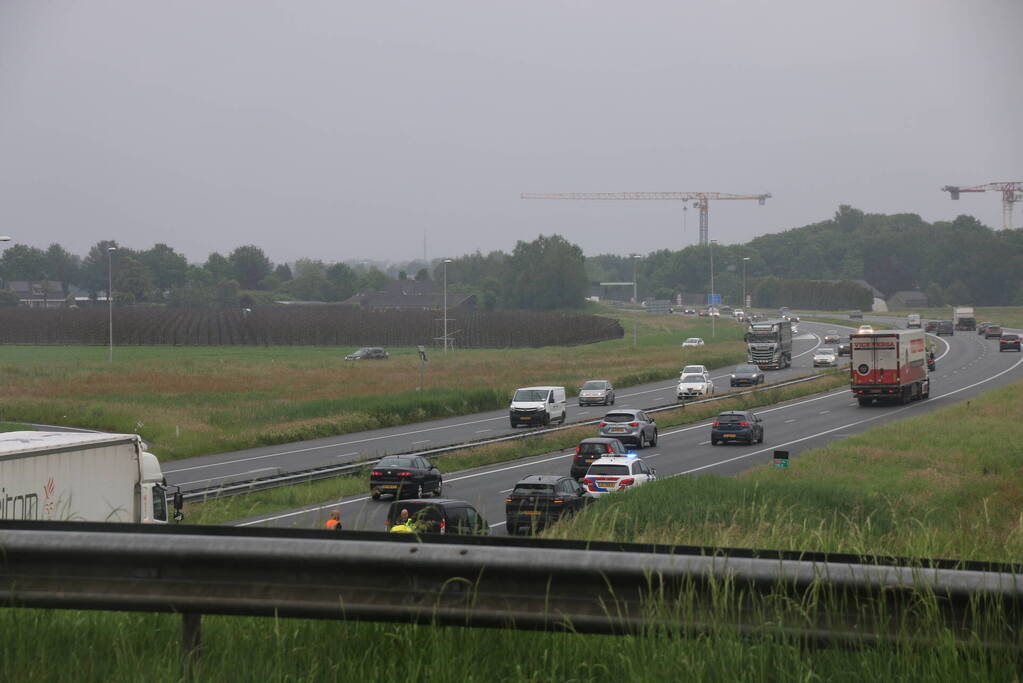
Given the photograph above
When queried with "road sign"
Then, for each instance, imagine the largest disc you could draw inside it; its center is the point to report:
(713, 299)
(781, 459)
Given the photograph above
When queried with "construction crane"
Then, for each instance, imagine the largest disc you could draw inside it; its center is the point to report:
(1011, 193)
(700, 200)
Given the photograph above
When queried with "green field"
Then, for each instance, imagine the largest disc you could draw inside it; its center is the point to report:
(188, 401)
(945, 484)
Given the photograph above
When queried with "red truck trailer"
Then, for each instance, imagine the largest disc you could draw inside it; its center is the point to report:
(890, 366)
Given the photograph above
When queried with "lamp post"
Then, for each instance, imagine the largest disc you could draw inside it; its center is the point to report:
(110, 299)
(635, 296)
(712, 325)
(744, 304)
(446, 262)
(4, 238)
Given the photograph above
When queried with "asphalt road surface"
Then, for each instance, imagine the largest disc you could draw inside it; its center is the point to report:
(213, 470)
(967, 365)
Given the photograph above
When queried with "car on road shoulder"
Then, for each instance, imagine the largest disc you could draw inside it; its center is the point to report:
(588, 451)
(746, 376)
(597, 392)
(608, 475)
(737, 425)
(993, 332)
(399, 475)
(825, 356)
(539, 500)
(368, 353)
(437, 516)
(1009, 341)
(693, 341)
(693, 385)
(629, 426)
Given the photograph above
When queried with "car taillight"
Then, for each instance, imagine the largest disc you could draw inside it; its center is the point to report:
(578, 449)
(443, 526)
(376, 473)
(404, 474)
(507, 500)
(387, 525)
(609, 449)
(717, 424)
(627, 482)
(558, 501)
(633, 424)
(744, 424)
(603, 424)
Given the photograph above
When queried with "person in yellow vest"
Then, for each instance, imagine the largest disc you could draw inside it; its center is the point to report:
(404, 525)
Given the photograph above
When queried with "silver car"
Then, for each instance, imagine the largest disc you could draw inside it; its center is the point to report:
(826, 357)
(629, 426)
(597, 392)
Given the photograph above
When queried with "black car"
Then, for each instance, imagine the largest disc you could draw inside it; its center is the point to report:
(945, 327)
(589, 450)
(540, 500)
(993, 332)
(1009, 341)
(438, 516)
(400, 475)
(746, 376)
(737, 425)
(367, 353)
(844, 348)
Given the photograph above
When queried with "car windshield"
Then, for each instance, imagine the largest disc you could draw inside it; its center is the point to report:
(613, 470)
(692, 368)
(746, 369)
(825, 351)
(692, 340)
(619, 417)
(533, 489)
(395, 462)
(530, 395)
(692, 378)
(731, 418)
(594, 385)
(361, 352)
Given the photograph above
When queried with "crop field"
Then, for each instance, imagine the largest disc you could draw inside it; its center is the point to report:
(188, 401)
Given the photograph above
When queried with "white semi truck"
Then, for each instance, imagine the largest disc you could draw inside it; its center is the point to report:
(86, 477)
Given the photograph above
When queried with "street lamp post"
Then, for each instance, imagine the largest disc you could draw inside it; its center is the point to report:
(744, 304)
(110, 299)
(712, 325)
(446, 262)
(4, 238)
(635, 296)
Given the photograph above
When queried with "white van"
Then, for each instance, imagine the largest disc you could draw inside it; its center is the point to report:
(537, 406)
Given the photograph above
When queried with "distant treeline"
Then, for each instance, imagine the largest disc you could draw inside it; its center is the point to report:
(301, 326)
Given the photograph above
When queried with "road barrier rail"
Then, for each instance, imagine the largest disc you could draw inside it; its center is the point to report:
(533, 584)
(252, 485)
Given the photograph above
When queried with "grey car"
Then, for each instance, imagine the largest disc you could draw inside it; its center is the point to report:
(366, 353)
(629, 426)
(746, 376)
(597, 392)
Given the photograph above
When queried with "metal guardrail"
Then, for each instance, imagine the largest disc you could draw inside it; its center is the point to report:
(329, 471)
(505, 583)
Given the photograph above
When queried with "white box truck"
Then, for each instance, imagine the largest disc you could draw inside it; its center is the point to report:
(890, 366)
(90, 477)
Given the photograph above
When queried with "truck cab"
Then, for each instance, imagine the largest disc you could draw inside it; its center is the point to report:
(769, 343)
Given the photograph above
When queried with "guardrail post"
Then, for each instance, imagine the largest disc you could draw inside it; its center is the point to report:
(191, 644)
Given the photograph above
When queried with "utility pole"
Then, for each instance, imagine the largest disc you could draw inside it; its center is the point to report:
(744, 304)
(635, 298)
(110, 299)
(446, 262)
(712, 327)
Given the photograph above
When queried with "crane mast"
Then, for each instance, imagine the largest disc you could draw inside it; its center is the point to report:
(700, 200)
(1011, 193)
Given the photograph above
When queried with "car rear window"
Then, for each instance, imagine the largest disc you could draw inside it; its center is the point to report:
(619, 417)
(594, 386)
(595, 448)
(1010, 337)
(731, 418)
(534, 489)
(396, 462)
(611, 470)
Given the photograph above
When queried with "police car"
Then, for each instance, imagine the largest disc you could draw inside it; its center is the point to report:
(607, 475)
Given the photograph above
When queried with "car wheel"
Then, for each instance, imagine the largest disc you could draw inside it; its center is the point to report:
(375, 495)
(440, 488)
(509, 528)
(713, 442)
(419, 491)
(654, 442)
(761, 440)
(612, 399)
(546, 419)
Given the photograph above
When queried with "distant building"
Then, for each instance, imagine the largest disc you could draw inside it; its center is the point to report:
(412, 295)
(907, 299)
(38, 293)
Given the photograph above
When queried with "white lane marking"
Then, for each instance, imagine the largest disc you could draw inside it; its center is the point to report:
(825, 412)
(416, 443)
(703, 443)
(481, 431)
(583, 412)
(345, 455)
(498, 524)
(794, 419)
(506, 491)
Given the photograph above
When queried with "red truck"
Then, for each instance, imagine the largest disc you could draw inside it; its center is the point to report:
(889, 365)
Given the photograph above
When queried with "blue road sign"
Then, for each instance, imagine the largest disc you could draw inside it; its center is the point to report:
(713, 299)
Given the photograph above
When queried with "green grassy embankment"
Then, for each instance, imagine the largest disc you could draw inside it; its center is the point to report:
(188, 401)
(327, 491)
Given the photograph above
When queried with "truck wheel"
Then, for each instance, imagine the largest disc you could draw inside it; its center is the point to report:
(863, 401)
(375, 495)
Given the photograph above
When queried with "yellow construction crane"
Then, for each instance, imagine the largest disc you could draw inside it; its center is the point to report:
(699, 199)
(1011, 193)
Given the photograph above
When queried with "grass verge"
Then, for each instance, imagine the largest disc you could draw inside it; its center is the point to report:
(223, 510)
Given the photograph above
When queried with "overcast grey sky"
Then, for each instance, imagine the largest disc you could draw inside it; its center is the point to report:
(342, 130)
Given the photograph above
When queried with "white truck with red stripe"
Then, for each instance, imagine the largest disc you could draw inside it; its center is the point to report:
(889, 366)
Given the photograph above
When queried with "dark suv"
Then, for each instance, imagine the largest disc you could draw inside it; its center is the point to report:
(439, 516)
(945, 327)
(540, 500)
(589, 450)
(1009, 341)
(737, 425)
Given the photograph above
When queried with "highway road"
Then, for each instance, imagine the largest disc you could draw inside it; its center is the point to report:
(214, 470)
(967, 365)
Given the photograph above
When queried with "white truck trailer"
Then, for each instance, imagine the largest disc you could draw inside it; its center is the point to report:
(86, 477)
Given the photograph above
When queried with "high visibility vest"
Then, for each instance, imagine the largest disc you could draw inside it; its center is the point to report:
(402, 529)
(332, 523)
